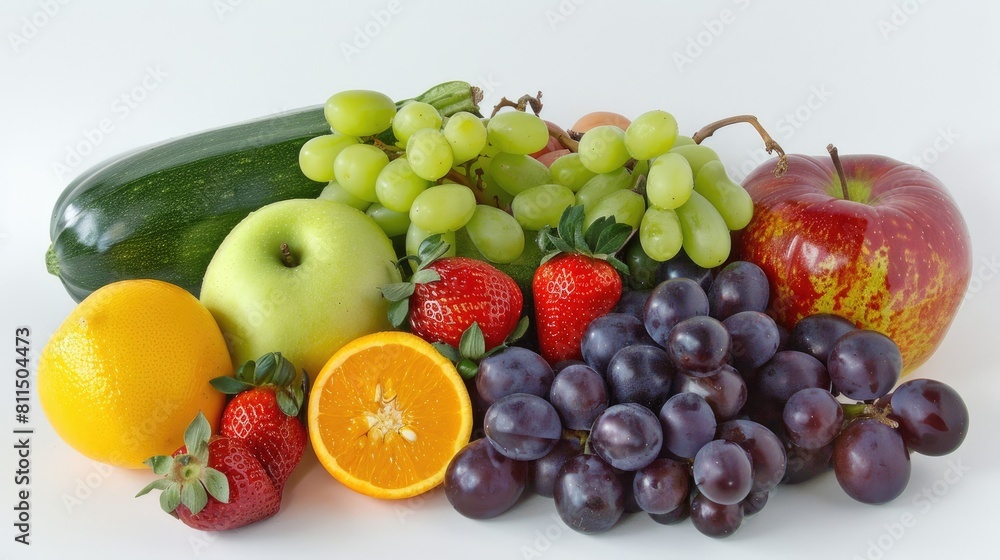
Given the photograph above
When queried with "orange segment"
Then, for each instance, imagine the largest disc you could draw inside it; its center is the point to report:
(386, 415)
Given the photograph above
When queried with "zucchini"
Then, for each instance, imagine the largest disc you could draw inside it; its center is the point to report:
(162, 210)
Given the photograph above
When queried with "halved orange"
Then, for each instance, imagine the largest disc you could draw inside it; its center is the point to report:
(387, 413)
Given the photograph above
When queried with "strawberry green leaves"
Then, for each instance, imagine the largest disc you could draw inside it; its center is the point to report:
(602, 240)
(271, 369)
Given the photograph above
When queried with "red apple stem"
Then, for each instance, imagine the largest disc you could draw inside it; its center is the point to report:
(769, 143)
(287, 257)
(840, 170)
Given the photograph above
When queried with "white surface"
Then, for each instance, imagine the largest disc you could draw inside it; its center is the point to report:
(906, 79)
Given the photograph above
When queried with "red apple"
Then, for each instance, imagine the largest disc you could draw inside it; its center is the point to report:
(893, 256)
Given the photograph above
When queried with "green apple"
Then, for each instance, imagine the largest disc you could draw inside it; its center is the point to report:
(301, 277)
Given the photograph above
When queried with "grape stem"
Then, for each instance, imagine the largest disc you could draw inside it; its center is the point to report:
(535, 101)
(840, 170)
(769, 143)
(564, 138)
(463, 179)
(869, 410)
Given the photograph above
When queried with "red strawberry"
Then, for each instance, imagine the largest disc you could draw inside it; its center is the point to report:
(218, 486)
(577, 281)
(446, 296)
(264, 414)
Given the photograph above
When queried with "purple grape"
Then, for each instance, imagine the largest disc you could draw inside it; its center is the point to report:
(681, 266)
(933, 418)
(816, 334)
(680, 513)
(754, 502)
(725, 391)
(480, 483)
(699, 345)
(589, 495)
(864, 364)
(579, 395)
(662, 486)
(628, 479)
(632, 302)
(513, 370)
(722, 472)
(628, 436)
(671, 302)
(787, 373)
(812, 418)
(740, 286)
(688, 423)
(522, 426)
(542, 472)
(714, 519)
(767, 453)
(805, 464)
(871, 461)
(608, 334)
(755, 338)
(642, 374)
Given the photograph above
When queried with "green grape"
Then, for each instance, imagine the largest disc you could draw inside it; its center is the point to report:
(357, 167)
(415, 236)
(626, 206)
(317, 155)
(641, 168)
(602, 185)
(333, 191)
(517, 132)
(541, 206)
(682, 140)
(359, 112)
(660, 234)
(569, 171)
(496, 234)
(731, 200)
(443, 208)
(696, 154)
(392, 223)
(397, 185)
(429, 154)
(670, 181)
(602, 149)
(651, 134)
(412, 117)
(641, 268)
(467, 135)
(517, 172)
(706, 238)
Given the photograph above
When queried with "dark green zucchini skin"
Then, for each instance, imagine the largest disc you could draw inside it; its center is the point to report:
(162, 210)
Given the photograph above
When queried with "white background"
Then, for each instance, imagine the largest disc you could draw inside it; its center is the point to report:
(915, 81)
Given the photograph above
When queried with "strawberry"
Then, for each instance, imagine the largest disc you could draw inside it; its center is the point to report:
(577, 281)
(447, 296)
(219, 485)
(264, 413)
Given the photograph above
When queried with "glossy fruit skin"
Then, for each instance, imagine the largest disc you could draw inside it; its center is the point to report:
(480, 483)
(468, 291)
(871, 461)
(273, 437)
(127, 370)
(899, 266)
(570, 290)
(252, 495)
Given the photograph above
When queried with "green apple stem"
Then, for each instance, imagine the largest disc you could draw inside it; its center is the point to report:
(769, 143)
(287, 257)
(840, 170)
